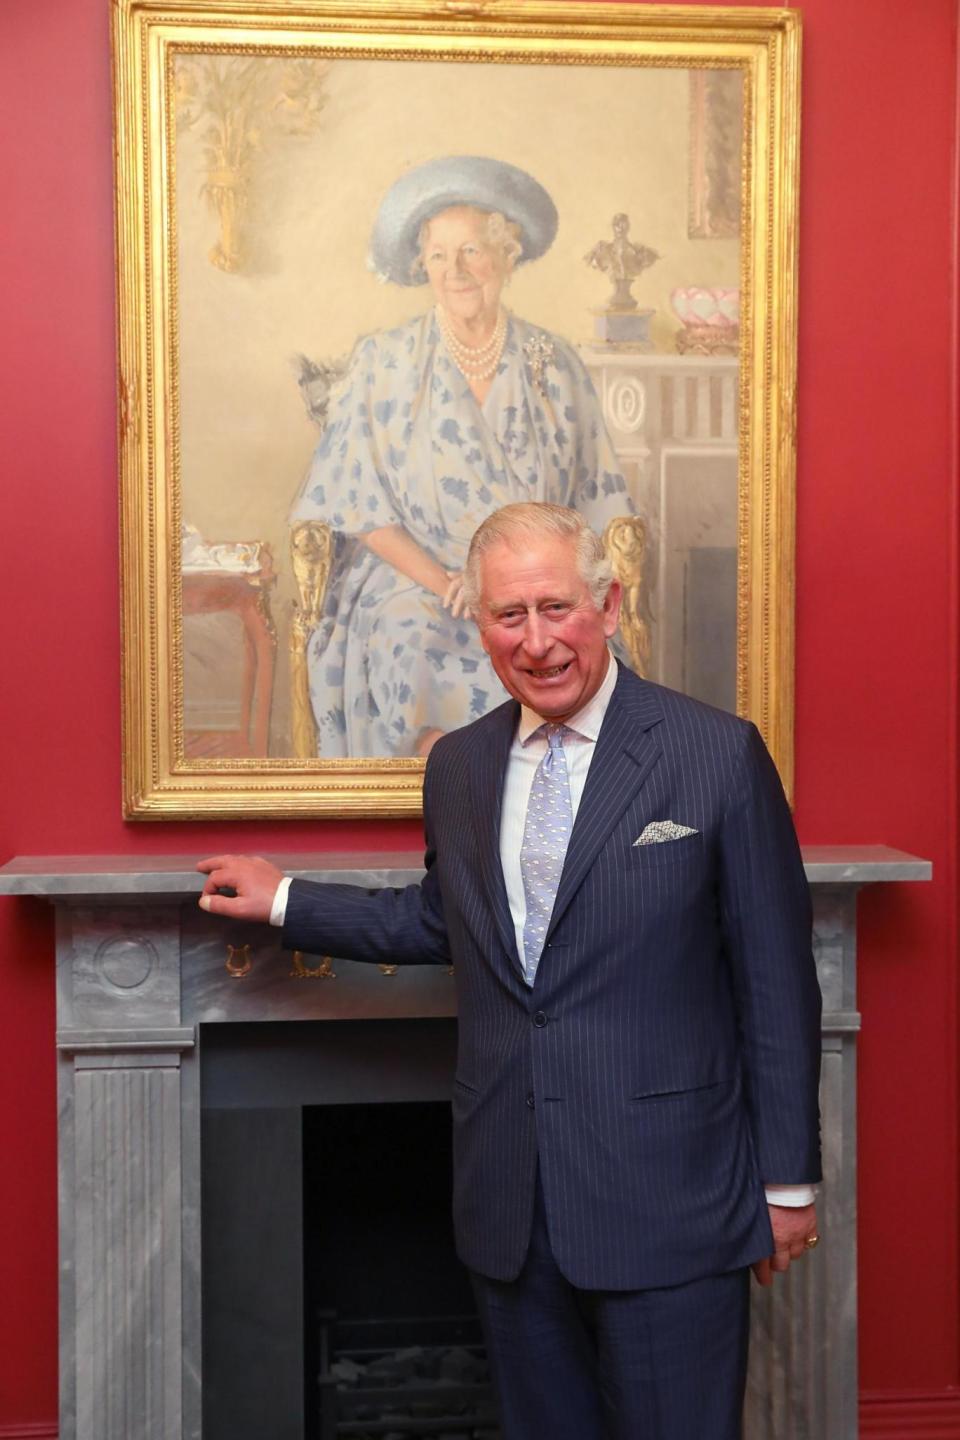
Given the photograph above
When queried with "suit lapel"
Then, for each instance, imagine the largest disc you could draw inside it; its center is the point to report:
(487, 771)
(627, 750)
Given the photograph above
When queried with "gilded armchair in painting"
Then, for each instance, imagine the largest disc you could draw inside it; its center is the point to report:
(312, 546)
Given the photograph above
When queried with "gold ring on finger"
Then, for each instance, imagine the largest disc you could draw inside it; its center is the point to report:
(812, 1241)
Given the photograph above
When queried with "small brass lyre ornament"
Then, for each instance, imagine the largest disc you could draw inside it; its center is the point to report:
(239, 961)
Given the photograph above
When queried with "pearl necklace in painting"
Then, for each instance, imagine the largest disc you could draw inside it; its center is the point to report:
(475, 362)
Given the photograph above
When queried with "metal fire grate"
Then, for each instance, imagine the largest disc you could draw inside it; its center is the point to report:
(405, 1379)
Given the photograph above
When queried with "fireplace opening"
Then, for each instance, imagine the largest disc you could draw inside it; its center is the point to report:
(391, 1320)
(333, 1304)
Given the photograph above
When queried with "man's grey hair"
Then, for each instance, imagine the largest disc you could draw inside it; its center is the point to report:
(512, 524)
(499, 232)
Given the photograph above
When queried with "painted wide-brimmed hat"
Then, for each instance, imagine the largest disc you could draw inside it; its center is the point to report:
(476, 180)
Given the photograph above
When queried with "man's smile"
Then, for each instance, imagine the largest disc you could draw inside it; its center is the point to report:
(552, 672)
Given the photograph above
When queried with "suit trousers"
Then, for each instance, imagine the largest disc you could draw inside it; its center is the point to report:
(572, 1364)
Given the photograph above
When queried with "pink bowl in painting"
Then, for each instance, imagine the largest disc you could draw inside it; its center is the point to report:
(697, 305)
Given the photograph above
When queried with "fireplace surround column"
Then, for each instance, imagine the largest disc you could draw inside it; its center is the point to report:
(140, 971)
(121, 1045)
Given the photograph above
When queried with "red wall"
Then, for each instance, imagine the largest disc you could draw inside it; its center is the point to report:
(876, 631)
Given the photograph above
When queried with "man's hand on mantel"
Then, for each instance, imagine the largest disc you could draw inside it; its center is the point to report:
(793, 1227)
(253, 879)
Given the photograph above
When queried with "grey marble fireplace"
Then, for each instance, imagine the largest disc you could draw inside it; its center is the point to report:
(141, 973)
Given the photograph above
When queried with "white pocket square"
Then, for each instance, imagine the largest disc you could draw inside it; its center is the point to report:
(659, 830)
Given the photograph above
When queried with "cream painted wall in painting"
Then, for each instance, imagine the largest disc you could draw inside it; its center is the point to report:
(599, 140)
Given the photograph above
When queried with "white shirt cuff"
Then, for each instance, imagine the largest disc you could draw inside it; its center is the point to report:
(278, 911)
(795, 1196)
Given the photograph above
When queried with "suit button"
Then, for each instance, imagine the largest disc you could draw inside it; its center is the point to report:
(531, 1102)
(539, 1019)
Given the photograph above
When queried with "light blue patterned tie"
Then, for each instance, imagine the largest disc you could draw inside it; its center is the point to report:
(546, 833)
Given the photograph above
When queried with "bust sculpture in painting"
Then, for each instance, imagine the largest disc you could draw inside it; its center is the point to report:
(436, 423)
(623, 261)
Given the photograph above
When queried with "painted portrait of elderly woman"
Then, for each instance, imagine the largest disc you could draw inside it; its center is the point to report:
(437, 422)
(403, 291)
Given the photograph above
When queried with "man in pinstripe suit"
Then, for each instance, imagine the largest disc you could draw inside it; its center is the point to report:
(635, 1105)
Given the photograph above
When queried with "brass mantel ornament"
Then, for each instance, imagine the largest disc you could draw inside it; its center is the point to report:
(239, 961)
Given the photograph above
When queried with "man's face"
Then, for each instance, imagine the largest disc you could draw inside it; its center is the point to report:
(544, 635)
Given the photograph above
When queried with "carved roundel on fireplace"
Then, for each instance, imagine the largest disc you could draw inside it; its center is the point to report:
(126, 962)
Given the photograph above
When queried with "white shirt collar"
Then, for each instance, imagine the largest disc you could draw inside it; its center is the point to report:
(585, 722)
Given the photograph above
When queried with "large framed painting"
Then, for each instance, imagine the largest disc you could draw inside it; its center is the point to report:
(384, 268)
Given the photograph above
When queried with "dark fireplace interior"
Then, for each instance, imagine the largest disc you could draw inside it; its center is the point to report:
(333, 1301)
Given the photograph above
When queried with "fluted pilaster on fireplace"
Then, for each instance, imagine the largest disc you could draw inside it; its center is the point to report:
(120, 1046)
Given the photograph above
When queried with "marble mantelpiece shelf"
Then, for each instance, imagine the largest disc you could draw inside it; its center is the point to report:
(862, 864)
(169, 875)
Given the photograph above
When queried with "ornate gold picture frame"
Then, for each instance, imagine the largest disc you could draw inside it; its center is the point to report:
(274, 663)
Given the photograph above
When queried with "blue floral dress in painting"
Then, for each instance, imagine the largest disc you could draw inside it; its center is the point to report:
(407, 444)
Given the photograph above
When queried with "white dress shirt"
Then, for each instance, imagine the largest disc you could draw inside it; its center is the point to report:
(525, 756)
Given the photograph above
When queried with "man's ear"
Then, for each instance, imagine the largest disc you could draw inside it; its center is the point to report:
(611, 608)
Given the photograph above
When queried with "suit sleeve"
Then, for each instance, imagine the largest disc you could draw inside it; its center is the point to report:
(767, 920)
(390, 926)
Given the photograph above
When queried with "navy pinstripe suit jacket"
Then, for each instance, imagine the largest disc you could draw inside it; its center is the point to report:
(665, 1064)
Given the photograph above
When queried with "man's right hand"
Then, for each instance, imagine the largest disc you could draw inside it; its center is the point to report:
(254, 879)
